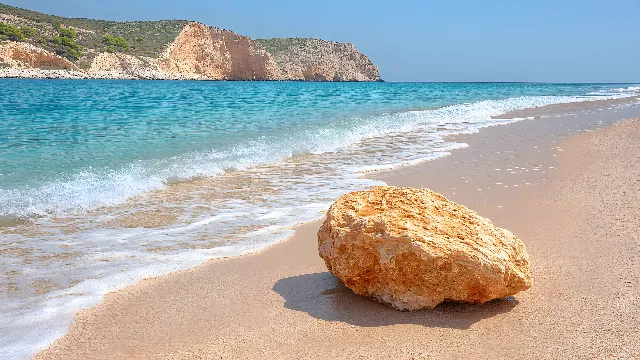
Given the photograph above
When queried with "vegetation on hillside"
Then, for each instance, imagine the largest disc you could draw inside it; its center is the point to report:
(81, 39)
(277, 45)
(115, 41)
(65, 41)
(13, 33)
(28, 32)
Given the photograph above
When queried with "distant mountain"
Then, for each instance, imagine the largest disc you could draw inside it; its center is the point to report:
(33, 44)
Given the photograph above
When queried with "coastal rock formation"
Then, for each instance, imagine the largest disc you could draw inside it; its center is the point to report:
(41, 74)
(27, 56)
(174, 49)
(413, 249)
(108, 65)
(213, 53)
(319, 60)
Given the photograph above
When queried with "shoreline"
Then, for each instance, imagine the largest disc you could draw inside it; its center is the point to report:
(301, 231)
(565, 108)
(61, 74)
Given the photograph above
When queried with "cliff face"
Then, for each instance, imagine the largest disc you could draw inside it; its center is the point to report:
(319, 60)
(27, 56)
(211, 53)
(168, 50)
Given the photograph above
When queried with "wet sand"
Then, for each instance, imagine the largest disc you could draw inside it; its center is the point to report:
(554, 109)
(578, 213)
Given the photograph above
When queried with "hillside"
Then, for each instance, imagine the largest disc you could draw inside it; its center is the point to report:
(33, 44)
(312, 59)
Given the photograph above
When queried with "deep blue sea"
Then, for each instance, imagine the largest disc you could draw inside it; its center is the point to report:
(103, 183)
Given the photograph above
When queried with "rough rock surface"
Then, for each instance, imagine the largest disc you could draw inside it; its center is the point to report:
(320, 60)
(122, 66)
(41, 74)
(413, 249)
(27, 56)
(213, 53)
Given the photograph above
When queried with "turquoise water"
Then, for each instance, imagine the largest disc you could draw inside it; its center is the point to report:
(118, 180)
(51, 132)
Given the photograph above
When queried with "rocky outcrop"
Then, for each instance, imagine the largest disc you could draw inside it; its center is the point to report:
(211, 53)
(27, 56)
(320, 60)
(413, 249)
(108, 65)
(41, 74)
(197, 52)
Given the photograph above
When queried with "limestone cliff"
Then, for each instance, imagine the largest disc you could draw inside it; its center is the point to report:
(27, 56)
(211, 53)
(319, 60)
(50, 46)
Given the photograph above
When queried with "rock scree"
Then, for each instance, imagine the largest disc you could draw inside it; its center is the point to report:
(413, 249)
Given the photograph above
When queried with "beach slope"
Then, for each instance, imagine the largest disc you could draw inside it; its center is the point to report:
(579, 218)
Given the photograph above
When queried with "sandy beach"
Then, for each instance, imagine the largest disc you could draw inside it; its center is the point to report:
(424, 180)
(572, 196)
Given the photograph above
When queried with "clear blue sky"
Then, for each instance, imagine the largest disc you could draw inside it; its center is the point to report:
(542, 40)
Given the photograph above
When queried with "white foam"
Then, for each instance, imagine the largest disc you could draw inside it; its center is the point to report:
(618, 92)
(335, 159)
(90, 188)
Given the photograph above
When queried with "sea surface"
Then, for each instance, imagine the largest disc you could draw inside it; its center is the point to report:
(103, 183)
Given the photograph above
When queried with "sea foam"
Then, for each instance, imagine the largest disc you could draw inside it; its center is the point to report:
(220, 202)
(90, 189)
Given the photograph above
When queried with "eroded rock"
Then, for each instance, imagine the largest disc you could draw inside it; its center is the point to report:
(413, 249)
(198, 52)
(27, 56)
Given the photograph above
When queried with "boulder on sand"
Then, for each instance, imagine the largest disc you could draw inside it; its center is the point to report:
(413, 249)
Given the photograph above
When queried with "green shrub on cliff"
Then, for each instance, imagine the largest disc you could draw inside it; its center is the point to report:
(67, 32)
(11, 32)
(73, 54)
(28, 31)
(144, 38)
(65, 41)
(66, 45)
(118, 41)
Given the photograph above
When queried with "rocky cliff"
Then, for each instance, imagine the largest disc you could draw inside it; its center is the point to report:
(319, 60)
(39, 45)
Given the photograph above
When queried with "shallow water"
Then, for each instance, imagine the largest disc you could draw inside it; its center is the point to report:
(105, 182)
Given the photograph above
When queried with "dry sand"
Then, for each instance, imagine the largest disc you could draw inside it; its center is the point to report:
(578, 214)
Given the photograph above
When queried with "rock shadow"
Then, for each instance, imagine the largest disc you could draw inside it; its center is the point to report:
(323, 296)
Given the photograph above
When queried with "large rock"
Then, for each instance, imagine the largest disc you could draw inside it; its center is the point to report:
(413, 249)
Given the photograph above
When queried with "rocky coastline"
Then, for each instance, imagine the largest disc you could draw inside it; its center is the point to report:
(63, 48)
